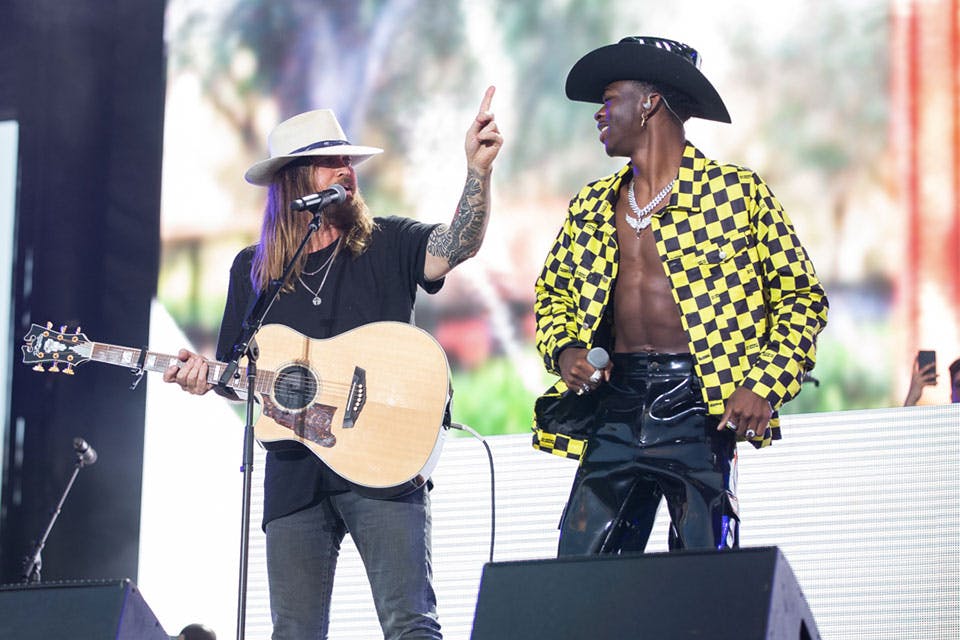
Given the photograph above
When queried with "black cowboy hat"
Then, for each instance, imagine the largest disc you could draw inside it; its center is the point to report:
(648, 59)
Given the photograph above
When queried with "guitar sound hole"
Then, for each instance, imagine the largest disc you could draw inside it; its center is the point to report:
(295, 387)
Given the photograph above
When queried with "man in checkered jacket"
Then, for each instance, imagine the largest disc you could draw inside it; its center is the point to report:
(689, 274)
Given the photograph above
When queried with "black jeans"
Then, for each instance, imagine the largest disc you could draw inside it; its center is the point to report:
(654, 439)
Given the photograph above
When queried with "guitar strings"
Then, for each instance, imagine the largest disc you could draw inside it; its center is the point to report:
(337, 387)
(266, 382)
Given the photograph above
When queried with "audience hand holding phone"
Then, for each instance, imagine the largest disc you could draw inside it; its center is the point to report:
(924, 375)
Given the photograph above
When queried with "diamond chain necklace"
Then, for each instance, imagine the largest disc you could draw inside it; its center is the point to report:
(641, 217)
(317, 300)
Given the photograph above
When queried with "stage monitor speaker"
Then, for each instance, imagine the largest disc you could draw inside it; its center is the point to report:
(94, 610)
(745, 594)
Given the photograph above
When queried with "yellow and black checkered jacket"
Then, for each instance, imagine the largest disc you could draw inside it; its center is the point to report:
(749, 299)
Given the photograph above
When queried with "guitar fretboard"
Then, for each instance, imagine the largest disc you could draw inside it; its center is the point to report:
(160, 362)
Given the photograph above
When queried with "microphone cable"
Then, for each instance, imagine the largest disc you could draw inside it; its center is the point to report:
(493, 501)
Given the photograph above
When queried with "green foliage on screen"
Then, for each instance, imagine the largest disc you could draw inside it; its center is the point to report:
(853, 374)
(492, 400)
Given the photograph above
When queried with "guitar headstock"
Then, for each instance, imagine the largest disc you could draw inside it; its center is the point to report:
(45, 344)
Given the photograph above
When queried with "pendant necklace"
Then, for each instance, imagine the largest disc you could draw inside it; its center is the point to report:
(640, 219)
(317, 300)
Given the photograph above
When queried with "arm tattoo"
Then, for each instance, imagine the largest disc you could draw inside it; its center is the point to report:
(462, 238)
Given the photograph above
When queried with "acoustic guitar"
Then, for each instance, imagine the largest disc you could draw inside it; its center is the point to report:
(370, 403)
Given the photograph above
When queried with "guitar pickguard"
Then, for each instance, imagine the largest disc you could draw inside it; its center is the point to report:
(313, 423)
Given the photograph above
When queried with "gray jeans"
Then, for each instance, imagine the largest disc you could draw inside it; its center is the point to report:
(393, 538)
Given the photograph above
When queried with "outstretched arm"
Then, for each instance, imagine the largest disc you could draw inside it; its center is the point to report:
(449, 245)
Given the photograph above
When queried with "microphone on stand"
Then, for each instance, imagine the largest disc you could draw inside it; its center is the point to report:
(316, 201)
(32, 563)
(86, 455)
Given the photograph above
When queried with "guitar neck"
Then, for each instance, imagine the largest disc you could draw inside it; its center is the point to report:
(160, 362)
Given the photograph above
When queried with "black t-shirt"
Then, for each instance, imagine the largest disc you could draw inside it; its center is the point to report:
(379, 284)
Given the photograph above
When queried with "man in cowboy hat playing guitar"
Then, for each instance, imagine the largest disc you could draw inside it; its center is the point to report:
(689, 273)
(356, 270)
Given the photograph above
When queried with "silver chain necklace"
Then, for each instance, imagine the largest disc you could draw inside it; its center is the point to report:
(317, 300)
(641, 217)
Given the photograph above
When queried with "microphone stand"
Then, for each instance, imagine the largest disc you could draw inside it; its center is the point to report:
(244, 346)
(31, 568)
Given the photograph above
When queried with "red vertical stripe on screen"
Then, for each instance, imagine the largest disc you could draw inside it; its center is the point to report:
(953, 253)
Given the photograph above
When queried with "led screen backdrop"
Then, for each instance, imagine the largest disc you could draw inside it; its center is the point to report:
(843, 108)
(848, 110)
(865, 506)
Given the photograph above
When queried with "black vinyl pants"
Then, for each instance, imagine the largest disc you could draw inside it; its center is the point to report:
(654, 439)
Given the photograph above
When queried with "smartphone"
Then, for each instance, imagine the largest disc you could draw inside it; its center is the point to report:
(925, 358)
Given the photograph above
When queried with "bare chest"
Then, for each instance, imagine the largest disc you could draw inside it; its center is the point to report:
(646, 315)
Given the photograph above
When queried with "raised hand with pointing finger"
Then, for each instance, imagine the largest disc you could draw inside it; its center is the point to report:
(452, 244)
(483, 137)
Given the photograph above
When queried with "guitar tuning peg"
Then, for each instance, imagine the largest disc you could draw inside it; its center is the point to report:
(63, 328)
(78, 330)
(39, 367)
(54, 368)
(69, 370)
(49, 325)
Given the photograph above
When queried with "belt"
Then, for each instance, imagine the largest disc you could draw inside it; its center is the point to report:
(633, 366)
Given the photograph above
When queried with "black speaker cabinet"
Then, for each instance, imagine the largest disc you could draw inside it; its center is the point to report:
(101, 610)
(745, 594)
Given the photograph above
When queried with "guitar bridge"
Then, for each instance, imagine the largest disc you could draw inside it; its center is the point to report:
(356, 398)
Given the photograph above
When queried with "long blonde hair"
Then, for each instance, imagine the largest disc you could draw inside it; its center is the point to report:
(283, 230)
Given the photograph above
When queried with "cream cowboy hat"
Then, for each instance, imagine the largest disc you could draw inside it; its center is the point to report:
(312, 133)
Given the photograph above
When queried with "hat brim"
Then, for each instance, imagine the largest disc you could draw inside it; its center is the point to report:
(262, 172)
(592, 73)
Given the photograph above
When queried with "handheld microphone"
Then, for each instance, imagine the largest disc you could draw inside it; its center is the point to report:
(85, 453)
(598, 359)
(315, 201)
